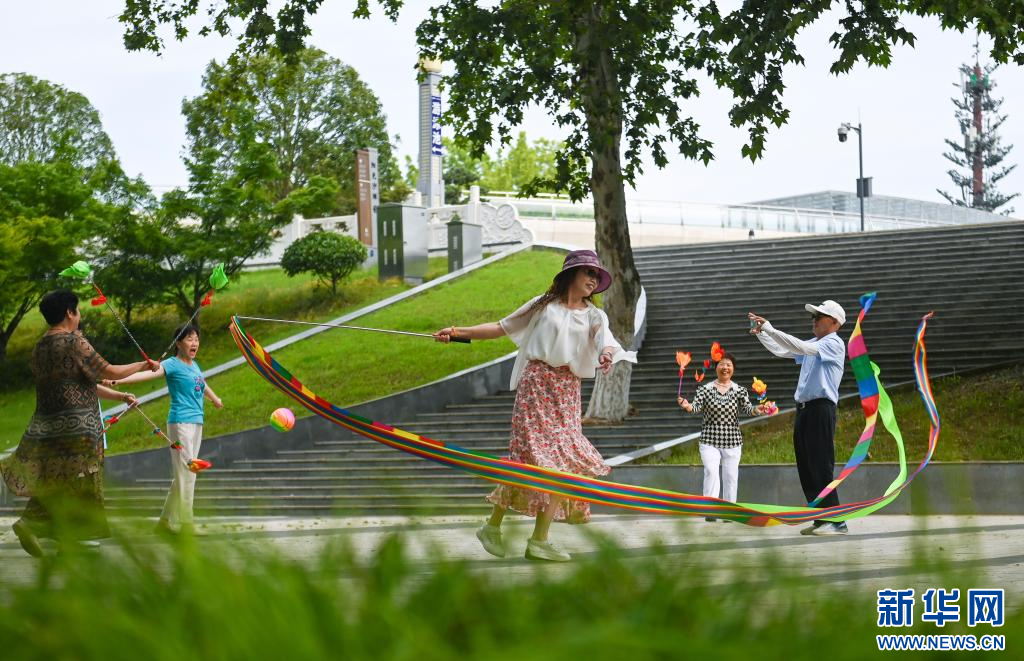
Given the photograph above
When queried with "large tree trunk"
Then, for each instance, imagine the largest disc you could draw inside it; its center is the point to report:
(602, 103)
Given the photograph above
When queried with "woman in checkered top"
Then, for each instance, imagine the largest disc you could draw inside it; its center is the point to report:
(721, 444)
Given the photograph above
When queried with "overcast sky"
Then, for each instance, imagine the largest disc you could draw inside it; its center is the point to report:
(905, 109)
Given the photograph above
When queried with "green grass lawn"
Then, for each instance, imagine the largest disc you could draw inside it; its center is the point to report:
(345, 367)
(981, 420)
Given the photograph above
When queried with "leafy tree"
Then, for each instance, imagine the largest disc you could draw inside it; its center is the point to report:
(520, 166)
(617, 77)
(44, 122)
(287, 30)
(46, 211)
(312, 112)
(412, 172)
(461, 170)
(59, 176)
(228, 217)
(328, 255)
(984, 151)
(130, 250)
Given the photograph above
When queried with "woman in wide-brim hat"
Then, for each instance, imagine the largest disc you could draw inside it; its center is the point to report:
(562, 338)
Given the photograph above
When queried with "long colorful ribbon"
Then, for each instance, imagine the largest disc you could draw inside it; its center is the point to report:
(868, 386)
(636, 498)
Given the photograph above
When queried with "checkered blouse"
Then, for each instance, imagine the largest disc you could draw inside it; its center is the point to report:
(721, 412)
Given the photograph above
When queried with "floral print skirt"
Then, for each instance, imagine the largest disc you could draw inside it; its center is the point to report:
(547, 431)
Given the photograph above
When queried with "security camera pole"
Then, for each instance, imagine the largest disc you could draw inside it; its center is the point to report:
(863, 185)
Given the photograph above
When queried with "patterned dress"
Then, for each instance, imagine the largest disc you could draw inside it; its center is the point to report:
(59, 462)
(547, 431)
(558, 346)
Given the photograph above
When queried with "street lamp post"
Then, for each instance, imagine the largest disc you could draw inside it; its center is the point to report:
(863, 185)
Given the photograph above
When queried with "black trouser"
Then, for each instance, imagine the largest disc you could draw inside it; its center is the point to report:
(814, 431)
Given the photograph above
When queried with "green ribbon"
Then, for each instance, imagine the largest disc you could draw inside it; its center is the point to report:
(218, 279)
(79, 269)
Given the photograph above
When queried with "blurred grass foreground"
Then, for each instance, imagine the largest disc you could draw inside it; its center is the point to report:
(226, 600)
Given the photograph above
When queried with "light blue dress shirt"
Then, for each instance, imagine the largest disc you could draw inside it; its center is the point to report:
(821, 362)
(820, 375)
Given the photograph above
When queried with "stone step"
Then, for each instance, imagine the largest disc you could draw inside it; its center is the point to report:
(892, 260)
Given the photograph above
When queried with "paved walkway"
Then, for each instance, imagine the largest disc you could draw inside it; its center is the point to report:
(881, 551)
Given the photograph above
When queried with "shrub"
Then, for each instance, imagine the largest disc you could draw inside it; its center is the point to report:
(329, 256)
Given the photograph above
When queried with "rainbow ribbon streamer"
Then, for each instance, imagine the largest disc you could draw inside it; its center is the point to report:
(636, 498)
(869, 388)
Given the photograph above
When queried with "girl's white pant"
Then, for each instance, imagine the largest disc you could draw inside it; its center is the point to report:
(178, 505)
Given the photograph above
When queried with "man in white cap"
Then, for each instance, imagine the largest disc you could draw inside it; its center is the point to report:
(822, 360)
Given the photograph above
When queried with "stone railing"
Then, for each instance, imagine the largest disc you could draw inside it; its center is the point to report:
(501, 227)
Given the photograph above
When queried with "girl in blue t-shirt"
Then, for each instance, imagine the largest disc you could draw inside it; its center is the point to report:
(187, 388)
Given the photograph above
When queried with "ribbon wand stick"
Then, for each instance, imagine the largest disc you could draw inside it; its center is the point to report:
(218, 280)
(463, 340)
(82, 271)
(682, 359)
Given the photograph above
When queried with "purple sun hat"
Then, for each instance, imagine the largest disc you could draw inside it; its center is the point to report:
(579, 258)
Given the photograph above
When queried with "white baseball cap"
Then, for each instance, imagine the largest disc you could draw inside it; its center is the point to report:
(829, 308)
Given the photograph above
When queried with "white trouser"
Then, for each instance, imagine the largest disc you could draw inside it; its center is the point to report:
(729, 460)
(178, 505)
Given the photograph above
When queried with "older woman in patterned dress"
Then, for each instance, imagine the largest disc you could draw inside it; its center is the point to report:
(721, 443)
(59, 461)
(562, 337)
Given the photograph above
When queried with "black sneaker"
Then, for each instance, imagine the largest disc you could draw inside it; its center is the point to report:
(831, 529)
(809, 530)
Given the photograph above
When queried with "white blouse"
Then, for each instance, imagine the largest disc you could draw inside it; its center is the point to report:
(561, 336)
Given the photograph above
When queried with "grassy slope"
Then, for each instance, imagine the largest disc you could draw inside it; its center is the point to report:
(267, 293)
(270, 292)
(981, 420)
(349, 367)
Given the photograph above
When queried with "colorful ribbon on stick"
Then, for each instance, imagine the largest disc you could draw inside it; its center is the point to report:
(682, 359)
(218, 280)
(83, 271)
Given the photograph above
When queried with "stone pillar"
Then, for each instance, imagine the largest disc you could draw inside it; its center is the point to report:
(431, 179)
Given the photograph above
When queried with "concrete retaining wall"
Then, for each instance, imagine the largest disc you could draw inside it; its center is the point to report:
(942, 488)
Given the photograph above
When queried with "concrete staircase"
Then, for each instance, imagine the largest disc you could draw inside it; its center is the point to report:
(970, 276)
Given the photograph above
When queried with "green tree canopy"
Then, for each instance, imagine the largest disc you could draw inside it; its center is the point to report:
(44, 122)
(130, 249)
(520, 166)
(256, 27)
(312, 112)
(46, 212)
(228, 217)
(59, 182)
